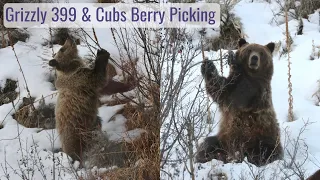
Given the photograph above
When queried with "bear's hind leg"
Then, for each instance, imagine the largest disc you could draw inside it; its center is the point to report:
(210, 149)
(71, 145)
(265, 152)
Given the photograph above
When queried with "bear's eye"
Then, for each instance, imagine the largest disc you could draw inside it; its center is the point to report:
(249, 51)
(261, 53)
(62, 49)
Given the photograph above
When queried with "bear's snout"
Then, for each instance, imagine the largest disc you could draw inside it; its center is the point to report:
(254, 61)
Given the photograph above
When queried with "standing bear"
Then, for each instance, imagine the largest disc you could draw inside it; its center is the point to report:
(249, 126)
(78, 100)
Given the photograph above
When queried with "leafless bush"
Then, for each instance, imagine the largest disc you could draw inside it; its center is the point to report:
(8, 92)
(35, 117)
(230, 29)
(139, 62)
(184, 109)
(60, 35)
(16, 35)
(32, 163)
(296, 10)
(105, 153)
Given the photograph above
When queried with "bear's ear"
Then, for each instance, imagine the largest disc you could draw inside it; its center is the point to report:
(241, 42)
(271, 46)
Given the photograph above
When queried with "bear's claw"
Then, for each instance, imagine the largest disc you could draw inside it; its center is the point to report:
(208, 68)
(103, 52)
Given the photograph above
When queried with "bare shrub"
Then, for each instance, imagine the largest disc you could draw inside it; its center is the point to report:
(39, 117)
(307, 7)
(230, 29)
(60, 35)
(296, 9)
(8, 93)
(16, 35)
(105, 153)
(184, 109)
(145, 114)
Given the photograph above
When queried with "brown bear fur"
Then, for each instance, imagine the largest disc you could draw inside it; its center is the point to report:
(315, 176)
(249, 125)
(78, 99)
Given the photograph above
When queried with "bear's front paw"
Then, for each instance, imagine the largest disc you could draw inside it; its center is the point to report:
(208, 69)
(103, 52)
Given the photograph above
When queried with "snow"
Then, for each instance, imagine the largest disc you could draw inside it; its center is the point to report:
(256, 19)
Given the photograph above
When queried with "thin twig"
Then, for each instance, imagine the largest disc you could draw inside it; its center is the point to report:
(50, 31)
(100, 47)
(20, 68)
(208, 99)
(95, 37)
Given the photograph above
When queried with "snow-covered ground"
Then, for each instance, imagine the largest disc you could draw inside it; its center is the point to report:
(256, 19)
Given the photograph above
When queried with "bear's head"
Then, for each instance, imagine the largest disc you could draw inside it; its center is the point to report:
(66, 59)
(254, 59)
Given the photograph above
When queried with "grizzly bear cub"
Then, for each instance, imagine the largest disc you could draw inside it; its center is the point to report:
(78, 100)
(249, 126)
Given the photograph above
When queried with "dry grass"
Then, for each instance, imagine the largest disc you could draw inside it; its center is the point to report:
(145, 149)
(142, 161)
(31, 117)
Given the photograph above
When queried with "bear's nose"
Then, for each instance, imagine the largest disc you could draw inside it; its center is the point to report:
(53, 63)
(254, 59)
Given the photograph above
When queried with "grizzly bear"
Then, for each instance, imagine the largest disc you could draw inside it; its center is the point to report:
(78, 99)
(248, 126)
